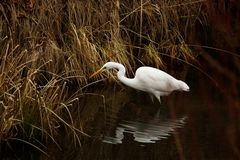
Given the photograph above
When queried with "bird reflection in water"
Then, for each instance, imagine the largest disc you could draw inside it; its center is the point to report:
(145, 131)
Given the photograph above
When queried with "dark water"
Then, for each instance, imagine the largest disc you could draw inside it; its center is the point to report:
(126, 124)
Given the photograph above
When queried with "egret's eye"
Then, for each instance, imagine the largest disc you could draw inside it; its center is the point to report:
(104, 68)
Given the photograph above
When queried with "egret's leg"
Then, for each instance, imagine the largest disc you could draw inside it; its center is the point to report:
(157, 95)
(157, 114)
(159, 99)
(152, 97)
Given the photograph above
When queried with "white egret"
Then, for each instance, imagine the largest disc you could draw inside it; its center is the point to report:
(148, 79)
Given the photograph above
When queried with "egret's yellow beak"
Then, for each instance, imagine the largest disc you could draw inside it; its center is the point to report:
(97, 72)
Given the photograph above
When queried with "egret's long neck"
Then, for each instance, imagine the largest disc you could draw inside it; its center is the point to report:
(121, 71)
(122, 77)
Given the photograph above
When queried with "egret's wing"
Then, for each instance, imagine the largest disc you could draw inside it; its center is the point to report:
(155, 79)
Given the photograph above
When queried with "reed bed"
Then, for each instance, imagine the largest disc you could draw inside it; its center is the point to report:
(49, 48)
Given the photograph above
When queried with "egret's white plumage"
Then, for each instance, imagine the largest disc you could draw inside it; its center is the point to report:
(148, 79)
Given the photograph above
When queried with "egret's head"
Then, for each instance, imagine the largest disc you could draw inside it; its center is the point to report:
(106, 66)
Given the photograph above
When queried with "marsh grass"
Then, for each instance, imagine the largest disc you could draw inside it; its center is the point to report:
(49, 48)
(33, 100)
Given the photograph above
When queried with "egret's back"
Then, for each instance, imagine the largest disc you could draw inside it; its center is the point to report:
(155, 80)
